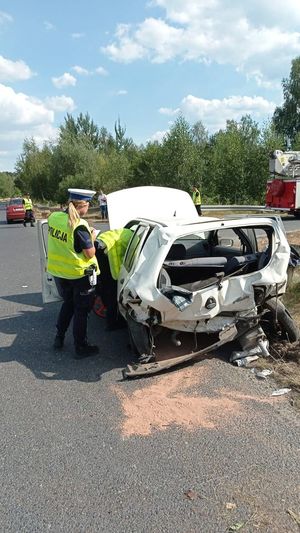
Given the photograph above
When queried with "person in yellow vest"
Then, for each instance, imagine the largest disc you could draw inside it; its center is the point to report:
(197, 200)
(73, 263)
(111, 247)
(29, 217)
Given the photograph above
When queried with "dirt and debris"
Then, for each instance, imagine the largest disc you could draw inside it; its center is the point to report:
(284, 361)
(284, 358)
(230, 506)
(192, 494)
(294, 516)
(169, 401)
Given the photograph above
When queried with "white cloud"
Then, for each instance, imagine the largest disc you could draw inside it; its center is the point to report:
(80, 70)
(127, 49)
(64, 80)
(259, 37)
(60, 103)
(18, 109)
(158, 136)
(5, 17)
(214, 113)
(14, 70)
(22, 116)
(48, 25)
(121, 92)
(102, 71)
(168, 111)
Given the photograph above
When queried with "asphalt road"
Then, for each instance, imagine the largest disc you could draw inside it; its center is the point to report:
(199, 449)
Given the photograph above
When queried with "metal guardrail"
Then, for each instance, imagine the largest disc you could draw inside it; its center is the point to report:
(205, 207)
(234, 207)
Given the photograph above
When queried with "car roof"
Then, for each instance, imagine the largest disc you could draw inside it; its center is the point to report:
(176, 226)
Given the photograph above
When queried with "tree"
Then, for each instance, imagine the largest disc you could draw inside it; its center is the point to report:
(199, 134)
(26, 165)
(147, 166)
(236, 163)
(106, 141)
(83, 128)
(120, 135)
(7, 184)
(180, 163)
(114, 172)
(73, 157)
(287, 117)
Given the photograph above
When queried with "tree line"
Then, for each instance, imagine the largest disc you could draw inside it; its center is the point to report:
(230, 166)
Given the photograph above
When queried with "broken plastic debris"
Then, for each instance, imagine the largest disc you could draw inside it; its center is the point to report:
(263, 374)
(230, 506)
(245, 361)
(280, 392)
(264, 346)
(241, 354)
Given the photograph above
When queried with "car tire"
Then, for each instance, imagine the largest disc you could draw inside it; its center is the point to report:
(8, 221)
(286, 324)
(138, 336)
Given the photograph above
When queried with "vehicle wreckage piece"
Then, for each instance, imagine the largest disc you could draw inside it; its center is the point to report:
(143, 369)
(253, 341)
(253, 337)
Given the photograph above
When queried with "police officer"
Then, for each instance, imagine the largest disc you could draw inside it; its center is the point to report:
(72, 262)
(27, 202)
(197, 200)
(110, 249)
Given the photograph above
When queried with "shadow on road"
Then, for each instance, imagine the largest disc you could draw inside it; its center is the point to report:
(32, 332)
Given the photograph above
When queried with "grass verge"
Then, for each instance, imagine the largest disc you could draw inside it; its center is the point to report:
(284, 357)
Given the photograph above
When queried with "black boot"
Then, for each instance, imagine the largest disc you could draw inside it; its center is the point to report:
(85, 350)
(24, 224)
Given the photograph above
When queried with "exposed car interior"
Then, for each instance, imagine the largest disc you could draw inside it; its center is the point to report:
(224, 252)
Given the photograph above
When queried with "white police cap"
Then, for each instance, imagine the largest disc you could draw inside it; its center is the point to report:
(81, 194)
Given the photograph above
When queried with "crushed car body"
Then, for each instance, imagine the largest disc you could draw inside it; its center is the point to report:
(190, 284)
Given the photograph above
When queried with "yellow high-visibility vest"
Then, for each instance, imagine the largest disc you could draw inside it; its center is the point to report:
(116, 242)
(196, 197)
(27, 203)
(63, 261)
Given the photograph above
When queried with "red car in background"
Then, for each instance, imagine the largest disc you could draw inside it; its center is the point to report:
(15, 210)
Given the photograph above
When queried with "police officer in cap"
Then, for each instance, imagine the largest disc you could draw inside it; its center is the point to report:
(29, 217)
(72, 262)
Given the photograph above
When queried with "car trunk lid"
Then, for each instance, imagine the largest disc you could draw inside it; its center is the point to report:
(148, 202)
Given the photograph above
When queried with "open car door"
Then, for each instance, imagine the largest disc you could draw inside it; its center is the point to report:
(49, 290)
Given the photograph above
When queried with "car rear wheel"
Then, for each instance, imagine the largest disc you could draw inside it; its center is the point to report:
(282, 324)
(9, 221)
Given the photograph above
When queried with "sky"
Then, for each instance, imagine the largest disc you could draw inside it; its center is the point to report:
(143, 62)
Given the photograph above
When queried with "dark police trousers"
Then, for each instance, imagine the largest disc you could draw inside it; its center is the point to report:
(107, 288)
(78, 298)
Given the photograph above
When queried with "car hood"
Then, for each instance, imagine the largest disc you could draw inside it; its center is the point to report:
(149, 202)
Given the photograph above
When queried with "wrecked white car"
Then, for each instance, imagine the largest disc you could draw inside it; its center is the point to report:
(190, 284)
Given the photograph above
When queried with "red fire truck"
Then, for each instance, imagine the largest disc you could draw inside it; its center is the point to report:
(283, 189)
